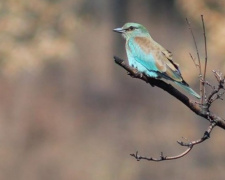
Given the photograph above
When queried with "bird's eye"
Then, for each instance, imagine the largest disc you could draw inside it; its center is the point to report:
(131, 28)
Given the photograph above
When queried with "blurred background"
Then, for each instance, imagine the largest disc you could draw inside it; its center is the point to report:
(67, 111)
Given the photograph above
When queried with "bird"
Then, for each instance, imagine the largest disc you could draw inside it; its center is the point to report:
(149, 57)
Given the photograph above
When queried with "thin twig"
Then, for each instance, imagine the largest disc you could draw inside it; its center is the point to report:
(200, 108)
(162, 157)
(193, 59)
(192, 105)
(216, 94)
(190, 145)
(196, 47)
(195, 107)
(208, 84)
(206, 54)
(199, 61)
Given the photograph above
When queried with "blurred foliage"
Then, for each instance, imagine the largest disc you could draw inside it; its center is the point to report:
(33, 32)
(68, 112)
(213, 12)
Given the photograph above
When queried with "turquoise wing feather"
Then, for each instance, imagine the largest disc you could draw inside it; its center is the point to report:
(143, 62)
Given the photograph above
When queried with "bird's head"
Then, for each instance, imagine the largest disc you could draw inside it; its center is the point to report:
(132, 30)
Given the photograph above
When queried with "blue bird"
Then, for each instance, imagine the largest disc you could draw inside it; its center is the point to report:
(149, 57)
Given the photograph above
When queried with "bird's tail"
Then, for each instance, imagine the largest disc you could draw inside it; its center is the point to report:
(188, 89)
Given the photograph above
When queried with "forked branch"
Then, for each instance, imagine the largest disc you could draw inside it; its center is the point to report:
(201, 108)
(190, 145)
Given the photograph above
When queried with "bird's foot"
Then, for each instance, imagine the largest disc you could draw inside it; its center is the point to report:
(135, 74)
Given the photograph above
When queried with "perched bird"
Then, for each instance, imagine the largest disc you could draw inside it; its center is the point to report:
(149, 57)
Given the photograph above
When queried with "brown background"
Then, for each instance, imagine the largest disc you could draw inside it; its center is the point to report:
(68, 112)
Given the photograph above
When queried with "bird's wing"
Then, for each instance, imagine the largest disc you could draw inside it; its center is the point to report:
(155, 58)
(173, 70)
(173, 65)
(144, 52)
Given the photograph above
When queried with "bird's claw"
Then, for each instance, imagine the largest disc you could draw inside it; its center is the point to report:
(135, 74)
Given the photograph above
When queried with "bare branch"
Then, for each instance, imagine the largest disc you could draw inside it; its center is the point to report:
(199, 109)
(208, 84)
(190, 145)
(206, 55)
(216, 93)
(199, 61)
(162, 157)
(193, 59)
(202, 139)
(196, 47)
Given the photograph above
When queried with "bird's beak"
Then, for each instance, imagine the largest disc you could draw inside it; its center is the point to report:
(119, 30)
